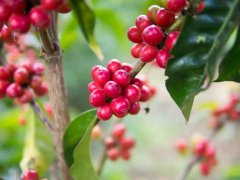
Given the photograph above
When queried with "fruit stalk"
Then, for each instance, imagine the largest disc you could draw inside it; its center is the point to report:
(52, 54)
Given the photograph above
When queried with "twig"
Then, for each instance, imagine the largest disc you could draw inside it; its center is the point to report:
(137, 68)
(102, 161)
(40, 115)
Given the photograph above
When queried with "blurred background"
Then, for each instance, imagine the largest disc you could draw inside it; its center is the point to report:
(154, 157)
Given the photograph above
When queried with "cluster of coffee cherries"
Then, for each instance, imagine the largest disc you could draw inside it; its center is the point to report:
(202, 149)
(19, 82)
(113, 90)
(150, 35)
(16, 16)
(118, 145)
(230, 111)
(30, 175)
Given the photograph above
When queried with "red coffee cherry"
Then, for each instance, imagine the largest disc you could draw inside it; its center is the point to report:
(14, 90)
(148, 53)
(121, 77)
(113, 154)
(112, 89)
(134, 108)
(7, 35)
(41, 90)
(104, 112)
(64, 7)
(5, 12)
(51, 4)
(11, 68)
(39, 17)
(138, 82)
(118, 131)
(162, 57)
(94, 70)
(19, 23)
(4, 73)
(97, 98)
(127, 143)
(152, 35)
(114, 65)
(27, 64)
(36, 81)
(136, 49)
(181, 146)
(26, 97)
(30, 175)
(38, 68)
(151, 13)
(17, 6)
(134, 35)
(204, 168)
(142, 22)
(171, 40)
(102, 76)
(3, 88)
(145, 93)
(125, 155)
(200, 148)
(21, 75)
(92, 86)
(126, 67)
(201, 6)
(210, 152)
(164, 18)
(132, 93)
(109, 142)
(176, 5)
(120, 106)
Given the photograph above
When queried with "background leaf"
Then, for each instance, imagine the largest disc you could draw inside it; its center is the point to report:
(86, 19)
(38, 151)
(199, 51)
(75, 133)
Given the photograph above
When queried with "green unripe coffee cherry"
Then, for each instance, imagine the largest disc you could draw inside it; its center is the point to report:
(151, 12)
(162, 3)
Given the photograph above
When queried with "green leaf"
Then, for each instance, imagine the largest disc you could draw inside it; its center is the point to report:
(86, 19)
(199, 51)
(38, 151)
(75, 133)
(229, 70)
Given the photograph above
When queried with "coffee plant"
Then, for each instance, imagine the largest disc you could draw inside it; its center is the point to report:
(195, 43)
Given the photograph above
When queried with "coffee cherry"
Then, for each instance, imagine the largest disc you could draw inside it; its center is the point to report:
(97, 98)
(181, 146)
(136, 81)
(200, 148)
(6, 35)
(200, 6)
(36, 81)
(145, 93)
(5, 12)
(120, 106)
(48, 108)
(22, 120)
(26, 97)
(127, 143)
(114, 65)
(162, 57)
(162, 3)
(148, 53)
(14, 90)
(38, 68)
(96, 132)
(136, 49)
(41, 90)
(27, 64)
(30, 175)
(109, 142)
(142, 22)
(11, 68)
(113, 154)
(125, 155)
(126, 67)
(39, 17)
(171, 40)
(210, 152)
(92, 86)
(104, 112)
(64, 7)
(102, 76)
(21, 75)
(51, 4)
(204, 169)
(112, 89)
(164, 18)
(121, 77)
(134, 108)
(132, 93)
(4, 73)
(134, 35)
(94, 70)
(176, 5)
(151, 13)
(118, 131)
(3, 87)
(17, 6)
(152, 35)
(19, 23)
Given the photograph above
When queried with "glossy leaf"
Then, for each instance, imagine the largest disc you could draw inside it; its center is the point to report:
(199, 51)
(38, 151)
(75, 133)
(229, 70)
(86, 20)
